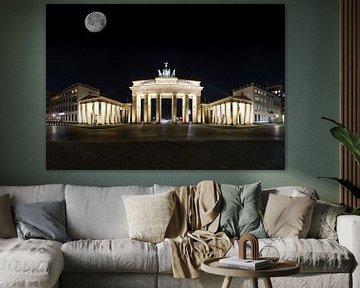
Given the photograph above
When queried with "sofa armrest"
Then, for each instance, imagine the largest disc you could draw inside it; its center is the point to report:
(348, 230)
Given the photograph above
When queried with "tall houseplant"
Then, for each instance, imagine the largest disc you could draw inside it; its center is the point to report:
(351, 141)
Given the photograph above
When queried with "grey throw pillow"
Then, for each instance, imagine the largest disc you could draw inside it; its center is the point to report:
(240, 213)
(44, 220)
(7, 226)
(323, 222)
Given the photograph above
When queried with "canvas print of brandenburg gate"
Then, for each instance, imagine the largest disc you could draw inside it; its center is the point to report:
(177, 88)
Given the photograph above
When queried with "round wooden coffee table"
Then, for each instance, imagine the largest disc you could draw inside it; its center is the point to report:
(281, 268)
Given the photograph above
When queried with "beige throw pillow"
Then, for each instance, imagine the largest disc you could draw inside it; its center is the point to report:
(288, 217)
(7, 226)
(149, 215)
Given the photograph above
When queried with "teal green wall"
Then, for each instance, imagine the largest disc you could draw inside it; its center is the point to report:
(311, 86)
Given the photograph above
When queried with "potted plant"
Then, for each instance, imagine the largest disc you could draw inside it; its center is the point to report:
(351, 141)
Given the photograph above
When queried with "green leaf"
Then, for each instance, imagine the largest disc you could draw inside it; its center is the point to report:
(355, 211)
(349, 139)
(333, 121)
(347, 184)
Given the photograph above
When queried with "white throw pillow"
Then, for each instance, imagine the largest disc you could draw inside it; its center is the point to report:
(149, 215)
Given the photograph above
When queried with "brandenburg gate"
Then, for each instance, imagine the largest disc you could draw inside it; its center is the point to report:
(165, 86)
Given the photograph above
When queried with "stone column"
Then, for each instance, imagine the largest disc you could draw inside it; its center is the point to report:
(108, 113)
(96, 112)
(101, 113)
(82, 113)
(217, 114)
(160, 108)
(118, 116)
(194, 108)
(133, 108)
(146, 109)
(247, 114)
(157, 112)
(113, 113)
(251, 113)
(183, 109)
(88, 112)
(173, 108)
(235, 111)
(105, 113)
(228, 116)
(223, 113)
(149, 110)
(242, 113)
(203, 120)
(186, 108)
(79, 117)
(198, 108)
(138, 109)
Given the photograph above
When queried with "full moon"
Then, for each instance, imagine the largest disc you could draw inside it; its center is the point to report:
(95, 21)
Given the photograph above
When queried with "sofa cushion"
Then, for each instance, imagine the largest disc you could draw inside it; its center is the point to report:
(43, 220)
(98, 213)
(240, 210)
(36, 193)
(287, 216)
(149, 215)
(109, 280)
(7, 226)
(163, 188)
(291, 191)
(323, 222)
(117, 255)
(30, 263)
(313, 255)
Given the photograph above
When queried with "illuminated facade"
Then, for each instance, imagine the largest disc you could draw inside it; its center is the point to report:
(232, 110)
(147, 96)
(97, 110)
(83, 104)
(63, 106)
(267, 106)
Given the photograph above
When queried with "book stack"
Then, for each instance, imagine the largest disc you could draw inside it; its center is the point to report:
(248, 264)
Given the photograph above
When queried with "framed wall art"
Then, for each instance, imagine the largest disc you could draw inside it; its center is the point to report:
(184, 87)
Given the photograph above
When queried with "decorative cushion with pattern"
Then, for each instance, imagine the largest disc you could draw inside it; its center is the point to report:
(149, 215)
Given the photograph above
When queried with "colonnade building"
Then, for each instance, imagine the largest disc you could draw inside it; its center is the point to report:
(95, 110)
(249, 104)
(232, 110)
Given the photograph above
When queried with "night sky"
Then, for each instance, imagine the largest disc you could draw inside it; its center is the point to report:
(223, 46)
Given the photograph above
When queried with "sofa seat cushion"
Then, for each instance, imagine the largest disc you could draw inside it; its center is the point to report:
(30, 263)
(115, 255)
(98, 212)
(313, 255)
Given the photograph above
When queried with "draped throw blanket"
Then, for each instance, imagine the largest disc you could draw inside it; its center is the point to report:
(191, 231)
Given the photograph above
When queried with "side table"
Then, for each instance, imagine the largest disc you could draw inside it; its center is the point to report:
(281, 268)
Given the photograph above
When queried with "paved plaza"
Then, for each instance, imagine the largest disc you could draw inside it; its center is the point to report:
(165, 147)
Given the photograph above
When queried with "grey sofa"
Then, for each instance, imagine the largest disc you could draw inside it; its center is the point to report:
(101, 254)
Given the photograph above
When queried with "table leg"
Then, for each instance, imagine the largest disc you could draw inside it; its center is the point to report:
(267, 283)
(254, 282)
(227, 282)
